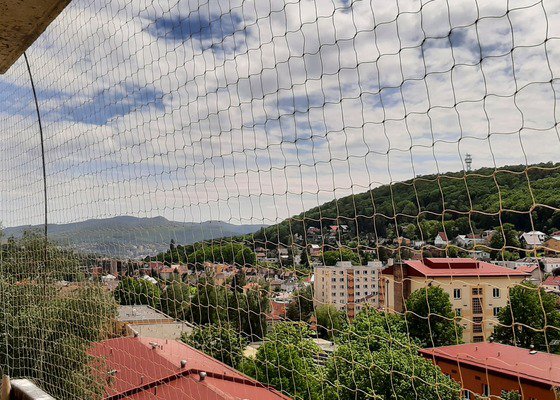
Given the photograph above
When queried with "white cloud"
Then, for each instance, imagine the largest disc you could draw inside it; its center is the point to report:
(277, 108)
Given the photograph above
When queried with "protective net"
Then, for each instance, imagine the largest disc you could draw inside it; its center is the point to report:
(242, 199)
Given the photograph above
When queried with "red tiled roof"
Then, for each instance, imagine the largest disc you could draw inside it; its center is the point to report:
(433, 267)
(510, 360)
(277, 311)
(552, 281)
(528, 268)
(443, 236)
(154, 372)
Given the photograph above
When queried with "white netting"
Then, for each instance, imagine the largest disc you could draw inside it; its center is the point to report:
(237, 174)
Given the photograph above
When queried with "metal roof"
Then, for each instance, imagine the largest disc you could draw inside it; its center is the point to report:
(149, 368)
(514, 361)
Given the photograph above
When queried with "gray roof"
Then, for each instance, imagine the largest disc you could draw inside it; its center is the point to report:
(139, 313)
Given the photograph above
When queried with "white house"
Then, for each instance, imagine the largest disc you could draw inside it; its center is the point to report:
(533, 239)
(441, 240)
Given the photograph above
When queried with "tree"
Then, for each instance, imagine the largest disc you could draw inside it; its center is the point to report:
(377, 360)
(220, 341)
(209, 302)
(531, 318)
(330, 321)
(301, 306)
(304, 258)
(249, 312)
(286, 361)
(504, 241)
(245, 256)
(132, 291)
(332, 257)
(175, 299)
(512, 395)
(431, 319)
(47, 334)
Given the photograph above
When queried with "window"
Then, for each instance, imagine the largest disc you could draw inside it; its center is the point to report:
(333, 279)
(357, 286)
(496, 311)
(478, 339)
(485, 390)
(496, 292)
(458, 312)
(476, 305)
(477, 324)
(467, 395)
(341, 279)
(456, 294)
(477, 291)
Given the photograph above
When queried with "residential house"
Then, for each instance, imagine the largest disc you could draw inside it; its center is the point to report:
(477, 289)
(182, 373)
(528, 265)
(550, 264)
(532, 239)
(315, 250)
(251, 286)
(469, 241)
(144, 320)
(489, 370)
(277, 313)
(441, 240)
(487, 235)
(552, 245)
(348, 287)
(551, 284)
(402, 241)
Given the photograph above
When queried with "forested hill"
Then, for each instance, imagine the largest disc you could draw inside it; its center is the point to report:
(485, 197)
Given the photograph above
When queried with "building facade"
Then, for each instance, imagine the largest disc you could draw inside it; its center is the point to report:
(492, 369)
(477, 290)
(348, 287)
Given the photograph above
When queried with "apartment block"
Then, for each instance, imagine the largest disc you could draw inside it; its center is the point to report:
(477, 289)
(348, 287)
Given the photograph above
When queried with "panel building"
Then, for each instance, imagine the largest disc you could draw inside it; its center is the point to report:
(348, 287)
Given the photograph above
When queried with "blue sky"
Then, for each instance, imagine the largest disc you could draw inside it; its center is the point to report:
(251, 111)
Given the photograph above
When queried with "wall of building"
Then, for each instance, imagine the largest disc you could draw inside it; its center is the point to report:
(344, 283)
(474, 379)
(464, 303)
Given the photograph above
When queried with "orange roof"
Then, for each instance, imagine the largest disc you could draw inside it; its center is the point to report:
(552, 281)
(528, 268)
(509, 360)
(444, 267)
(148, 368)
(443, 236)
(277, 311)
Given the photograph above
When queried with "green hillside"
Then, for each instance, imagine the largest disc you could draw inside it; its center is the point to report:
(524, 196)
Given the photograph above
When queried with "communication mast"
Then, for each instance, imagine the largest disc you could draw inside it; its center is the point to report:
(468, 161)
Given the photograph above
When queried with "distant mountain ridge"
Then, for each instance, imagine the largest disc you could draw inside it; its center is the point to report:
(128, 236)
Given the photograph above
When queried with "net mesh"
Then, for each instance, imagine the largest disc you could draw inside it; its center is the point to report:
(295, 188)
